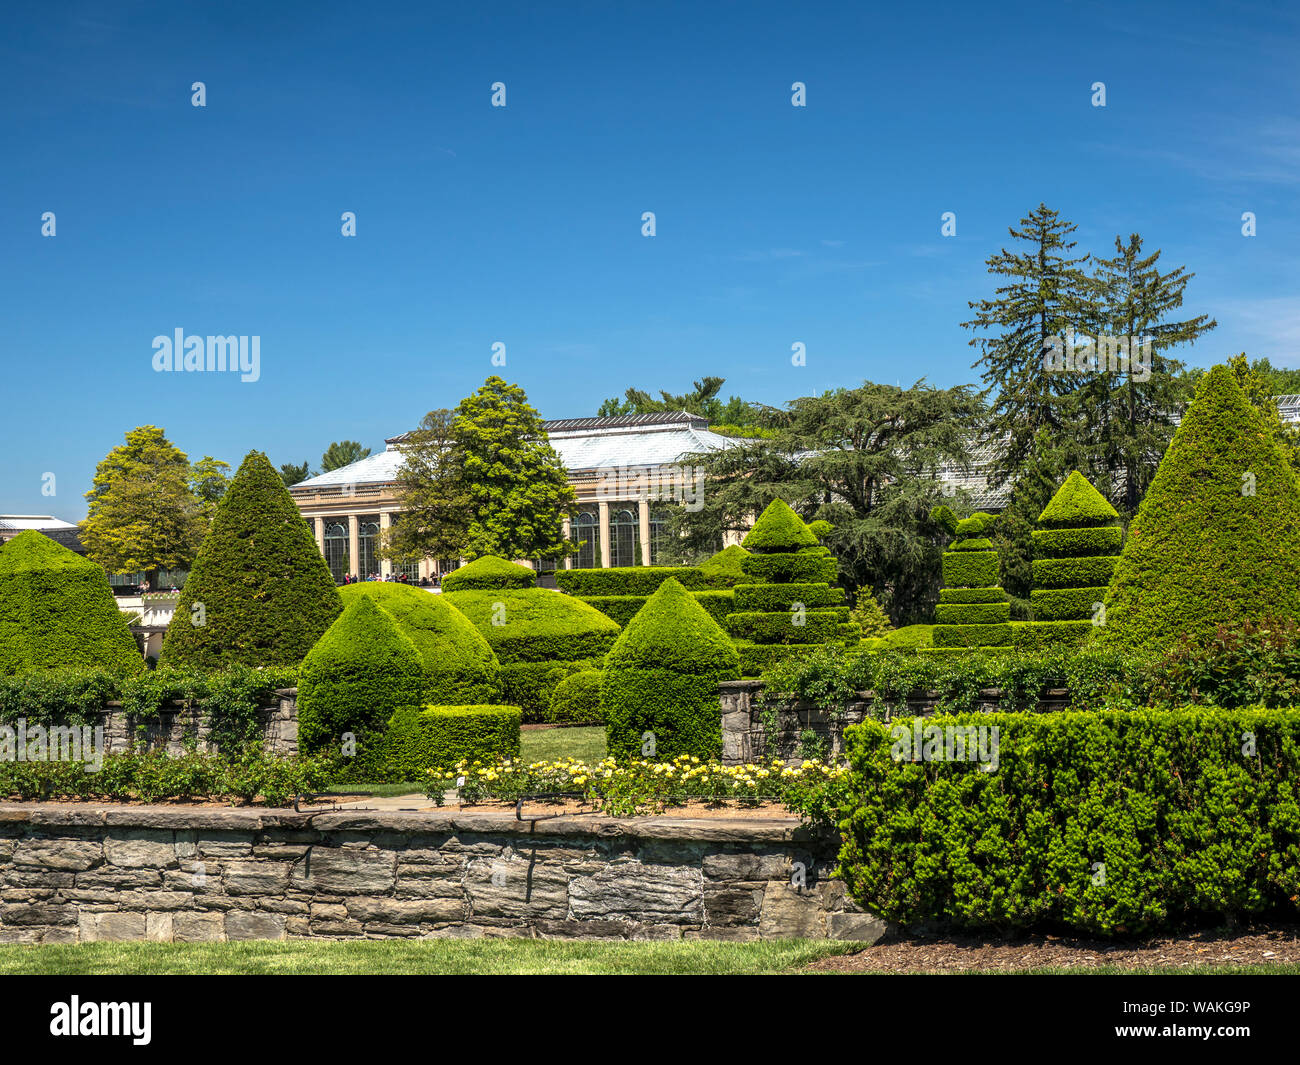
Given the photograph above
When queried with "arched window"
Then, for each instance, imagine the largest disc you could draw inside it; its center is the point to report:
(658, 534)
(624, 536)
(584, 531)
(368, 548)
(336, 550)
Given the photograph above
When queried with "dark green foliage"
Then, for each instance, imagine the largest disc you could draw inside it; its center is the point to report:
(623, 608)
(438, 737)
(1202, 550)
(1066, 604)
(531, 685)
(57, 609)
(1248, 664)
(1070, 572)
(812, 565)
(362, 671)
(788, 626)
(69, 695)
(778, 528)
(626, 580)
(1045, 635)
(970, 569)
(489, 572)
(259, 585)
(972, 595)
(784, 596)
(972, 613)
(1188, 828)
(662, 677)
(576, 699)
(460, 668)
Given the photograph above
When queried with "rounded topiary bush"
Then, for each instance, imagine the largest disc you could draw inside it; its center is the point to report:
(57, 610)
(1216, 539)
(726, 568)
(460, 668)
(437, 737)
(358, 675)
(489, 572)
(576, 699)
(661, 677)
(259, 592)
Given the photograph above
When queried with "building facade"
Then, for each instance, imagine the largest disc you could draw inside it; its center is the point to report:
(625, 471)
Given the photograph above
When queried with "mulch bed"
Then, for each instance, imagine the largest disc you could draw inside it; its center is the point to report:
(945, 954)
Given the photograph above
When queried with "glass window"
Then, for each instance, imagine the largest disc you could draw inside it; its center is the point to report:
(658, 534)
(336, 550)
(584, 531)
(624, 538)
(368, 548)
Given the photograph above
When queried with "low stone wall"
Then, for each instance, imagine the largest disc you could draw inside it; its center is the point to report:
(72, 874)
(745, 719)
(179, 726)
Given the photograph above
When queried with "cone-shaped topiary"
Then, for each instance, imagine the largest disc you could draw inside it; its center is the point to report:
(726, 568)
(1216, 539)
(661, 677)
(363, 670)
(57, 609)
(1075, 556)
(787, 605)
(972, 610)
(259, 593)
(779, 529)
(489, 572)
(460, 669)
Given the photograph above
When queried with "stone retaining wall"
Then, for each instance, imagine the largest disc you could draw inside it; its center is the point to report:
(71, 874)
(745, 720)
(179, 726)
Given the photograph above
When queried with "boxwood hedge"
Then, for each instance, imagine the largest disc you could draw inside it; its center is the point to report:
(576, 699)
(437, 737)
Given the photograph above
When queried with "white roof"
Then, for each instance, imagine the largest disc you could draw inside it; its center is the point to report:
(582, 444)
(18, 522)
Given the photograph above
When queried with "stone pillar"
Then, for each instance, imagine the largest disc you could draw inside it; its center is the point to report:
(354, 545)
(385, 523)
(318, 527)
(602, 522)
(568, 535)
(643, 515)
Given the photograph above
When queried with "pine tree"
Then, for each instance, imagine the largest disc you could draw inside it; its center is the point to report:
(1127, 421)
(1045, 298)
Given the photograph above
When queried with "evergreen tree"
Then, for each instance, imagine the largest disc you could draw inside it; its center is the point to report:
(259, 593)
(291, 474)
(1258, 383)
(342, 453)
(435, 500)
(1044, 298)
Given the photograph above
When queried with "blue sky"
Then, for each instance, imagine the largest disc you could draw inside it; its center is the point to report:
(522, 225)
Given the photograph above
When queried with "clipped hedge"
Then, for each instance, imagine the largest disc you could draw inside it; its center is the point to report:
(778, 528)
(576, 699)
(1066, 604)
(814, 565)
(259, 584)
(972, 613)
(963, 620)
(784, 626)
(661, 677)
(362, 671)
(536, 624)
(1187, 822)
(726, 568)
(1072, 543)
(489, 572)
(57, 610)
(785, 596)
(1073, 572)
(623, 608)
(626, 580)
(1071, 589)
(970, 569)
(460, 667)
(437, 737)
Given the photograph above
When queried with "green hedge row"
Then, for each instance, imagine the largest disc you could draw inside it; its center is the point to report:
(623, 608)
(972, 613)
(814, 565)
(1085, 571)
(972, 595)
(1073, 543)
(576, 699)
(628, 580)
(1112, 823)
(970, 569)
(773, 597)
(964, 635)
(1065, 604)
(437, 737)
(813, 626)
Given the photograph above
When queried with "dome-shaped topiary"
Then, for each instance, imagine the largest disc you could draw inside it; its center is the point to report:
(576, 699)
(661, 680)
(57, 609)
(1077, 504)
(726, 568)
(779, 529)
(259, 592)
(1216, 539)
(489, 572)
(360, 672)
(460, 667)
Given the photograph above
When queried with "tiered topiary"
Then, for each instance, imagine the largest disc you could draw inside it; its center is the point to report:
(363, 670)
(259, 592)
(973, 610)
(662, 678)
(789, 605)
(460, 668)
(539, 635)
(1075, 552)
(57, 609)
(1216, 539)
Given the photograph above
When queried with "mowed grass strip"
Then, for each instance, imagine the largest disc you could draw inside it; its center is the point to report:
(586, 743)
(419, 956)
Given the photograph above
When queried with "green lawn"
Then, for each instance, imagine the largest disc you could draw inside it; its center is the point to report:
(585, 743)
(427, 956)
(473, 956)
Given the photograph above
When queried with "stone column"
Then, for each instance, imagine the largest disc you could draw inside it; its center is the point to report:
(318, 527)
(354, 545)
(385, 523)
(568, 535)
(603, 522)
(643, 515)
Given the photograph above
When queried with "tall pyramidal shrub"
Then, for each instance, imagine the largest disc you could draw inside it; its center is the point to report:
(1216, 539)
(57, 609)
(259, 592)
(788, 605)
(973, 609)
